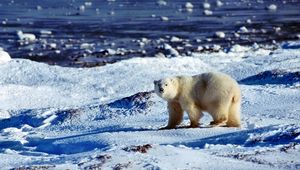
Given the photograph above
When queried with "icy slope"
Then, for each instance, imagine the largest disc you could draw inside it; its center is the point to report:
(38, 85)
(107, 117)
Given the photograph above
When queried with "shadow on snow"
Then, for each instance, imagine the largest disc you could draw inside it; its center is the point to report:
(272, 77)
(264, 137)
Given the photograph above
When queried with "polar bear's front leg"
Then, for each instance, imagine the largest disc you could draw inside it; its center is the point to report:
(175, 115)
(195, 113)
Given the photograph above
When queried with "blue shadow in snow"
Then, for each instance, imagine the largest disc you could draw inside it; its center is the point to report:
(30, 118)
(291, 46)
(272, 77)
(25, 117)
(75, 143)
(242, 138)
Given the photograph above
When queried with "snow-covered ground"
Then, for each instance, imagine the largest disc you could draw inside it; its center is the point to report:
(107, 117)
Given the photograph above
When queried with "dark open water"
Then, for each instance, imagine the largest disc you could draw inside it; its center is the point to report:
(105, 32)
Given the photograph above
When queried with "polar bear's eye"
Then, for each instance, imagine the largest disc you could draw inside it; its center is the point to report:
(166, 84)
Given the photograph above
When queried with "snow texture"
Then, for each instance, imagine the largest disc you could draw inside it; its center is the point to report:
(108, 117)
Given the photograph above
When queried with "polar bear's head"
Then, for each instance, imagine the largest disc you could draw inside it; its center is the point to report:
(166, 88)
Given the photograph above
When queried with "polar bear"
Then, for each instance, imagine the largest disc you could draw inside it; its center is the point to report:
(214, 92)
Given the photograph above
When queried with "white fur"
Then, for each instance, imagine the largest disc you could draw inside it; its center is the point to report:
(216, 93)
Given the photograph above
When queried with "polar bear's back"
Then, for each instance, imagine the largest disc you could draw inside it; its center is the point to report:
(218, 86)
(217, 78)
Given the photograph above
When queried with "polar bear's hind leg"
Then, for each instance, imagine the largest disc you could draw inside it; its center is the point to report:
(219, 112)
(234, 119)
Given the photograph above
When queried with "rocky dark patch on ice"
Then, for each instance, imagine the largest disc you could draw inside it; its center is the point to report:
(120, 166)
(287, 148)
(95, 163)
(35, 167)
(282, 77)
(141, 149)
(138, 103)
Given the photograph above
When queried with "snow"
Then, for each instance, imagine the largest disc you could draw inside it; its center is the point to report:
(4, 57)
(108, 117)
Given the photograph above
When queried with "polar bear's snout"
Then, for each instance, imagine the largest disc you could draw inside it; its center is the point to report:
(158, 87)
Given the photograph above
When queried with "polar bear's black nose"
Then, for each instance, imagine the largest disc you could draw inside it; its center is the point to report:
(159, 85)
(161, 90)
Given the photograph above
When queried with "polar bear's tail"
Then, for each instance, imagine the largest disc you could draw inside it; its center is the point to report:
(234, 119)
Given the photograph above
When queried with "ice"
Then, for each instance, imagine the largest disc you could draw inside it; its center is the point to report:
(189, 5)
(88, 4)
(26, 36)
(161, 3)
(46, 32)
(207, 12)
(81, 8)
(243, 29)
(220, 34)
(39, 7)
(239, 48)
(175, 39)
(272, 7)
(169, 50)
(86, 46)
(219, 3)
(52, 45)
(164, 18)
(206, 5)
